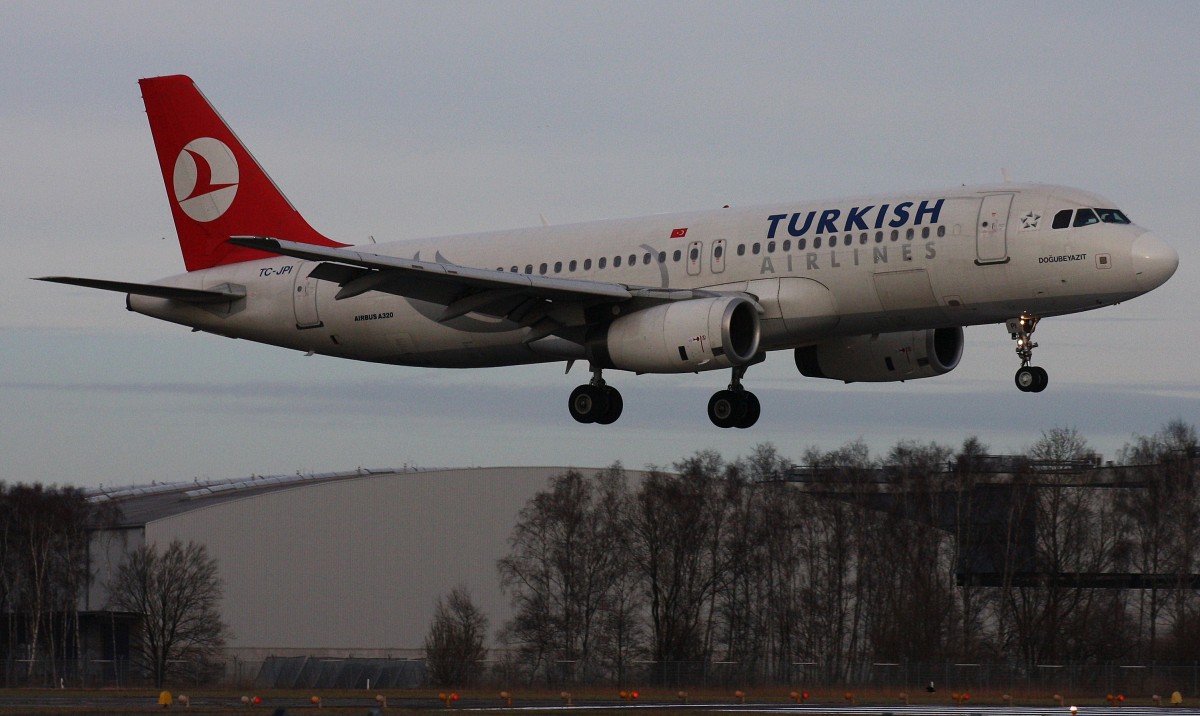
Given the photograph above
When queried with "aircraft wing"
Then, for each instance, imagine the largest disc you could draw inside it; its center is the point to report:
(519, 297)
(186, 295)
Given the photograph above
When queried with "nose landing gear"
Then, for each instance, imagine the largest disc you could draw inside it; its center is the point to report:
(1029, 378)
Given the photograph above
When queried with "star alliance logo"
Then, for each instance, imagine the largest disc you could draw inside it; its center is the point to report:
(1029, 222)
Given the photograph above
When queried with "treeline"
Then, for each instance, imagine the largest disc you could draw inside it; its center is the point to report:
(44, 534)
(719, 561)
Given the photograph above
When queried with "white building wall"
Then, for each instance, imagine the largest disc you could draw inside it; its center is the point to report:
(359, 563)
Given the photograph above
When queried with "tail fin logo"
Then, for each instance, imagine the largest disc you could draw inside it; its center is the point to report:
(206, 179)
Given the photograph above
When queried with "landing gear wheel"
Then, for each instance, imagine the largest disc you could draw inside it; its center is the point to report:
(753, 410)
(589, 403)
(1043, 379)
(726, 408)
(1031, 379)
(615, 404)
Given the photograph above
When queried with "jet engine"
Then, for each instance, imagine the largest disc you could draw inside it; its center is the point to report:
(682, 337)
(882, 357)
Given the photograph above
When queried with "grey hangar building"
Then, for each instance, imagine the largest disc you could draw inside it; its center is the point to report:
(323, 567)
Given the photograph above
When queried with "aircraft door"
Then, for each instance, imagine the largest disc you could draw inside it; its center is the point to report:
(304, 298)
(991, 242)
(694, 257)
(717, 262)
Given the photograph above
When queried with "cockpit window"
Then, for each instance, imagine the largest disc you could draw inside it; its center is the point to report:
(1112, 216)
(1084, 217)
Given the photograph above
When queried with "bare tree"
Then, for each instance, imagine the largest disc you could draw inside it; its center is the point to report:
(1075, 534)
(567, 553)
(454, 647)
(177, 595)
(1161, 518)
(676, 534)
(43, 536)
(911, 563)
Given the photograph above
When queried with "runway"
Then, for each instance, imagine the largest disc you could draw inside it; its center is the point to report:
(870, 710)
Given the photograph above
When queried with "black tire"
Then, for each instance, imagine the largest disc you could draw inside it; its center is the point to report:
(615, 405)
(1043, 379)
(587, 403)
(1026, 378)
(726, 408)
(753, 410)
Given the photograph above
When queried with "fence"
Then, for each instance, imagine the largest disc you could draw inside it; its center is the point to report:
(324, 672)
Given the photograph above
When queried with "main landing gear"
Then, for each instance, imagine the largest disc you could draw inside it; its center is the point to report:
(1029, 379)
(734, 407)
(596, 401)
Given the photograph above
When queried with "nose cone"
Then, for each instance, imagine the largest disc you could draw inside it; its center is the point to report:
(1153, 261)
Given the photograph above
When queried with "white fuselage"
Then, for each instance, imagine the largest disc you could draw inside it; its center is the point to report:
(964, 256)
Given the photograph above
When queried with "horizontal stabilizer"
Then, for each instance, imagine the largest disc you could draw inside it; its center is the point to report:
(186, 295)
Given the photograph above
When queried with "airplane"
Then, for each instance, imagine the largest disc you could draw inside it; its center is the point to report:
(871, 288)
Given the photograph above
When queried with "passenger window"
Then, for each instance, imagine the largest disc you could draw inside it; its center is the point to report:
(895, 234)
(770, 247)
(662, 257)
(787, 245)
(542, 269)
(817, 243)
(801, 244)
(941, 231)
(862, 239)
(633, 259)
(718, 252)
(616, 262)
(741, 249)
(925, 232)
(571, 266)
(755, 248)
(694, 254)
(909, 234)
(879, 237)
(679, 254)
(1062, 219)
(587, 264)
(646, 258)
(602, 262)
(514, 269)
(528, 268)
(558, 267)
(1084, 217)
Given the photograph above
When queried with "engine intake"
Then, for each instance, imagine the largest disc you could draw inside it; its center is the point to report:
(682, 337)
(883, 357)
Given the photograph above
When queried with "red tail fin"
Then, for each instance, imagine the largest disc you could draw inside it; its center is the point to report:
(215, 187)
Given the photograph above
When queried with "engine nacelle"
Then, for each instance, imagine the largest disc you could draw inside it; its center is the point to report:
(682, 337)
(882, 357)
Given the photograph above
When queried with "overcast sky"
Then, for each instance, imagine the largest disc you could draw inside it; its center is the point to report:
(402, 120)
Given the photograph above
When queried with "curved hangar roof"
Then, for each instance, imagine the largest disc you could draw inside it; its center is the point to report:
(344, 561)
